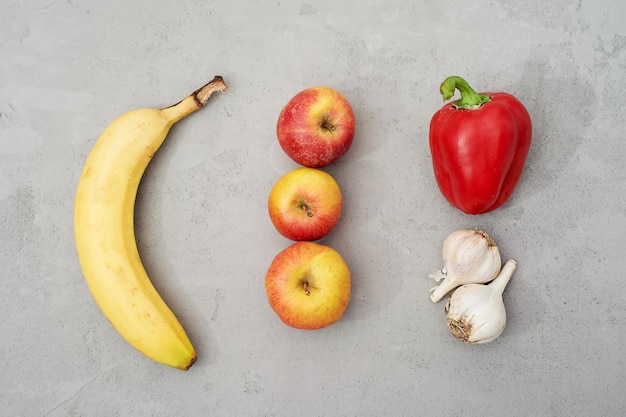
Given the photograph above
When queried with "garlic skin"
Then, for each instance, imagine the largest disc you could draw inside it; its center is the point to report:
(469, 257)
(475, 313)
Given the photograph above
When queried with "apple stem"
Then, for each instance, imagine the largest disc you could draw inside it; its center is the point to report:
(305, 207)
(306, 288)
(328, 126)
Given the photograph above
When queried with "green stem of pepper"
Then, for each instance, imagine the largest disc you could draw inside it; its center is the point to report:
(470, 99)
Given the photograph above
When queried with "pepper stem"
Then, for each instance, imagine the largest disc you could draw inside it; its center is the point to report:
(470, 99)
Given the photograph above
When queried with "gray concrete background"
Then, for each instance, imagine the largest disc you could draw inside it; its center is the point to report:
(68, 68)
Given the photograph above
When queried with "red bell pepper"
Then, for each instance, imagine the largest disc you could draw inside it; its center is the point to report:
(478, 145)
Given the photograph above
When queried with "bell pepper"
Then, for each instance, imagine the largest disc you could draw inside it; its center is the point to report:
(479, 145)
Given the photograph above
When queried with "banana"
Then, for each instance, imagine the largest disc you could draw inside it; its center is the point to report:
(105, 235)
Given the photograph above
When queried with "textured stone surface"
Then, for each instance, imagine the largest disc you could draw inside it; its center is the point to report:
(67, 68)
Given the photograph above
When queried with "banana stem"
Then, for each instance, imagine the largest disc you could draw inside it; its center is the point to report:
(203, 93)
(194, 101)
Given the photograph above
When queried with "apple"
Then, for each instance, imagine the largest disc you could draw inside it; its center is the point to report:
(305, 204)
(308, 285)
(316, 127)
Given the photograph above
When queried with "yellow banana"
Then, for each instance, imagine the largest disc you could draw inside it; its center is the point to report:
(105, 235)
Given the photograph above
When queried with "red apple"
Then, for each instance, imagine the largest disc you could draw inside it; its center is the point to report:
(305, 204)
(316, 127)
(308, 285)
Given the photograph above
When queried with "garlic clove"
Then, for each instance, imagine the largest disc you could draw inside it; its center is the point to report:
(469, 257)
(475, 313)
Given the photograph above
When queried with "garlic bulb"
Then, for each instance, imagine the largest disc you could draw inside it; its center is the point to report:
(475, 313)
(469, 257)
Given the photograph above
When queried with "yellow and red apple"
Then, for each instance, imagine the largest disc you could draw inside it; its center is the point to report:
(308, 285)
(316, 127)
(305, 204)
